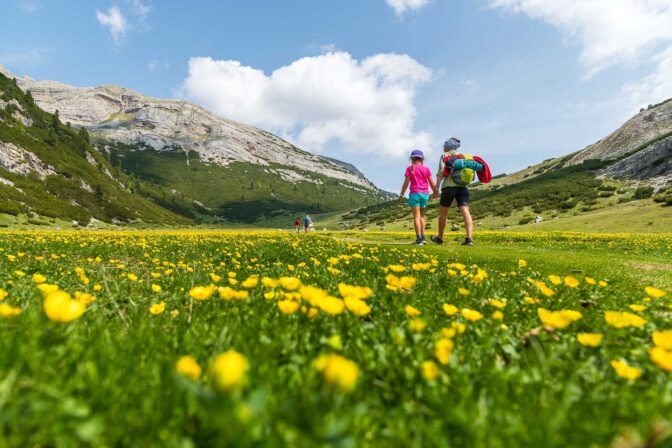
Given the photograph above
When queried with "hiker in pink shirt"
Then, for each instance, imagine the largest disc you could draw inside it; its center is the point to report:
(419, 177)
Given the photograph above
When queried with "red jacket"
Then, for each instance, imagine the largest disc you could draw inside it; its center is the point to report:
(484, 175)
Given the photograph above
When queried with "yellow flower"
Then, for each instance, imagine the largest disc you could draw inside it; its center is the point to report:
(498, 315)
(429, 370)
(84, 297)
(156, 288)
(416, 325)
(290, 283)
(39, 278)
(463, 291)
(663, 339)
(288, 306)
(450, 310)
(471, 315)
(555, 280)
(354, 292)
(3, 294)
(655, 293)
(227, 293)
(250, 282)
(637, 308)
(397, 268)
(6, 310)
(558, 319)
(46, 288)
(404, 284)
(572, 282)
(20, 274)
(602, 283)
(132, 277)
(459, 327)
(215, 278)
(590, 339)
(201, 292)
(60, 307)
(97, 287)
(356, 306)
(228, 370)
(335, 342)
(412, 311)
(623, 319)
(545, 290)
(443, 349)
(269, 295)
(626, 371)
(531, 300)
(498, 303)
(522, 263)
(661, 357)
(337, 371)
(188, 367)
(157, 308)
(269, 282)
(590, 280)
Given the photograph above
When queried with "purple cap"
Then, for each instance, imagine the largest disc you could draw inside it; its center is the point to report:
(417, 154)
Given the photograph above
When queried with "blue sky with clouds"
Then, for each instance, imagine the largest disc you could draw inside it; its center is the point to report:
(518, 81)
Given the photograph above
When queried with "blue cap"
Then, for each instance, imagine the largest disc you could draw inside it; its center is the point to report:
(417, 154)
(452, 143)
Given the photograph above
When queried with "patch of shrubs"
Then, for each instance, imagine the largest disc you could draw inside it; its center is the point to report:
(643, 193)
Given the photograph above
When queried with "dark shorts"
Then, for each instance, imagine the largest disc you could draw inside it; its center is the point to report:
(460, 194)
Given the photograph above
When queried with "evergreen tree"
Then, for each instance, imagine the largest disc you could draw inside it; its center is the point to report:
(84, 134)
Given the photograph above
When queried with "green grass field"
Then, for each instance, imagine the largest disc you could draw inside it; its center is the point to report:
(212, 338)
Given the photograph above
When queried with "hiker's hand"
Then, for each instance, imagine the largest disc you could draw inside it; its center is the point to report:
(401, 198)
(436, 195)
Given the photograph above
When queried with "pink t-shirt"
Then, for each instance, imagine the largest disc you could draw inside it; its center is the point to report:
(419, 175)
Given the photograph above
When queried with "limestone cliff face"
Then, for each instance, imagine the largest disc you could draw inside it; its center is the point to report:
(120, 115)
(646, 126)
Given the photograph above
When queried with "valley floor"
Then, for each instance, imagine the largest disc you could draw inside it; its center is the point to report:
(212, 338)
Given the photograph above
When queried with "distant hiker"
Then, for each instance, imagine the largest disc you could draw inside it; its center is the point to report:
(297, 225)
(307, 221)
(420, 179)
(456, 172)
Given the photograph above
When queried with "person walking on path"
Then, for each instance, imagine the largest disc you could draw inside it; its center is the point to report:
(419, 177)
(307, 221)
(455, 172)
(297, 225)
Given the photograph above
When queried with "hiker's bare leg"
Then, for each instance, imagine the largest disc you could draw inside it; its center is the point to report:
(417, 221)
(468, 222)
(443, 216)
(423, 221)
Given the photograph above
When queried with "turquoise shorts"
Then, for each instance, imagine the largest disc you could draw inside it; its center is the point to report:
(418, 200)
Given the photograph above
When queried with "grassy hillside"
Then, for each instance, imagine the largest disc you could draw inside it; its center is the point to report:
(562, 196)
(81, 184)
(239, 192)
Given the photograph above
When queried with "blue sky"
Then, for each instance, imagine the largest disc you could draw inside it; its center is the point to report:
(518, 81)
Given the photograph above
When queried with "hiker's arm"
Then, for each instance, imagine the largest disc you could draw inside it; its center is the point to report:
(433, 185)
(403, 189)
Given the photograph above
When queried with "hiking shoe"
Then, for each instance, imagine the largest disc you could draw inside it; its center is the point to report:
(418, 242)
(468, 242)
(436, 239)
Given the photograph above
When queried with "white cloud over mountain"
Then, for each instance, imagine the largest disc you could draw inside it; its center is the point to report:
(612, 33)
(402, 6)
(362, 106)
(115, 22)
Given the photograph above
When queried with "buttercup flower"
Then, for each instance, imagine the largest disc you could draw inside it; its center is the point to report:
(623, 319)
(188, 367)
(337, 371)
(624, 370)
(590, 339)
(157, 308)
(228, 370)
(60, 307)
(558, 319)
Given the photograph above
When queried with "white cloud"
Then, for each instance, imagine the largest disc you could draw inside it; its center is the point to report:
(115, 21)
(402, 6)
(610, 32)
(140, 9)
(331, 99)
(613, 33)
